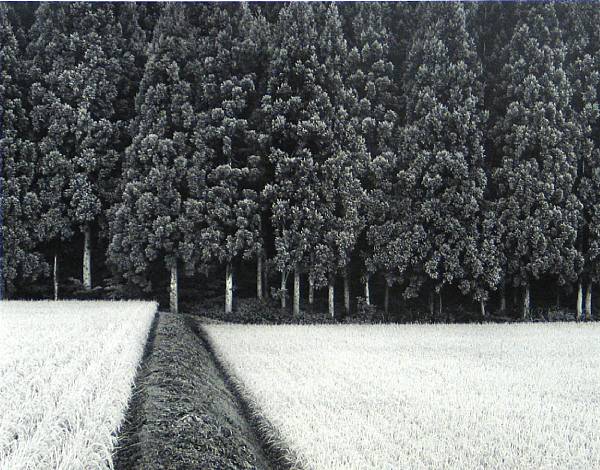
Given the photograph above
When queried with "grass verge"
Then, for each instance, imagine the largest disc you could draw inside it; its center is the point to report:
(183, 414)
(272, 444)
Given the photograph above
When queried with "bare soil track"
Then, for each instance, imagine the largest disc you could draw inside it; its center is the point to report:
(184, 413)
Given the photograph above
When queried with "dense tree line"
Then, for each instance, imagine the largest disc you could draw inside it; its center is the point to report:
(431, 149)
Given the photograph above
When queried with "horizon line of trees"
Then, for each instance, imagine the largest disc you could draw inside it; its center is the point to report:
(438, 145)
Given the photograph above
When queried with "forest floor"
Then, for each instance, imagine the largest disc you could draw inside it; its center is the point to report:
(184, 414)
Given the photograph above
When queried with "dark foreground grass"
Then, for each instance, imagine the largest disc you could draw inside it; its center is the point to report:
(183, 415)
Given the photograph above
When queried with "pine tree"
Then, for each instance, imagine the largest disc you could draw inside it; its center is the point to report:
(20, 205)
(149, 223)
(75, 68)
(21, 16)
(229, 217)
(444, 181)
(538, 210)
(403, 21)
(385, 235)
(314, 192)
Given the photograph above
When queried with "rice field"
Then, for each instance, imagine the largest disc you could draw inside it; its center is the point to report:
(66, 372)
(519, 396)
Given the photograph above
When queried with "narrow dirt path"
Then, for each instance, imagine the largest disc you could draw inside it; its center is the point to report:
(184, 414)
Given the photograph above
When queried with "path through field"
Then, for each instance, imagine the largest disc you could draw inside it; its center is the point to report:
(184, 414)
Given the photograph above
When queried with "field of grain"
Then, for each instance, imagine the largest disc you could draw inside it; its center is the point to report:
(520, 396)
(66, 372)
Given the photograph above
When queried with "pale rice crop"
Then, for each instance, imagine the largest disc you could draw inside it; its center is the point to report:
(66, 375)
(518, 396)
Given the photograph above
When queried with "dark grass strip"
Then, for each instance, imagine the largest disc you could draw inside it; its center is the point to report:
(274, 447)
(128, 447)
(183, 415)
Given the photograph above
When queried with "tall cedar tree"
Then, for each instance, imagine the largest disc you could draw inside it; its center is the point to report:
(538, 210)
(133, 19)
(579, 23)
(492, 25)
(383, 212)
(226, 211)
(448, 231)
(20, 205)
(297, 112)
(75, 65)
(149, 223)
(376, 110)
(343, 158)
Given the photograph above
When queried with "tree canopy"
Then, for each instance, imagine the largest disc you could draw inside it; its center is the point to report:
(419, 152)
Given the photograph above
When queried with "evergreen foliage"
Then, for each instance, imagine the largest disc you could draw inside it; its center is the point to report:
(443, 148)
(297, 113)
(581, 64)
(345, 155)
(75, 66)
(227, 142)
(538, 211)
(148, 224)
(20, 204)
(376, 110)
(443, 181)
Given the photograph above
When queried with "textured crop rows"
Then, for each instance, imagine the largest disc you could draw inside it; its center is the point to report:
(66, 372)
(524, 396)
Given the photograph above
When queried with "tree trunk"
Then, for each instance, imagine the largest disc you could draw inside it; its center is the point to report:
(482, 307)
(283, 293)
(557, 298)
(346, 293)
(331, 293)
(431, 306)
(296, 305)
(234, 289)
(503, 299)
(87, 257)
(259, 275)
(55, 276)
(526, 302)
(588, 302)
(228, 289)
(367, 292)
(579, 301)
(386, 301)
(311, 292)
(265, 280)
(174, 301)
(441, 307)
